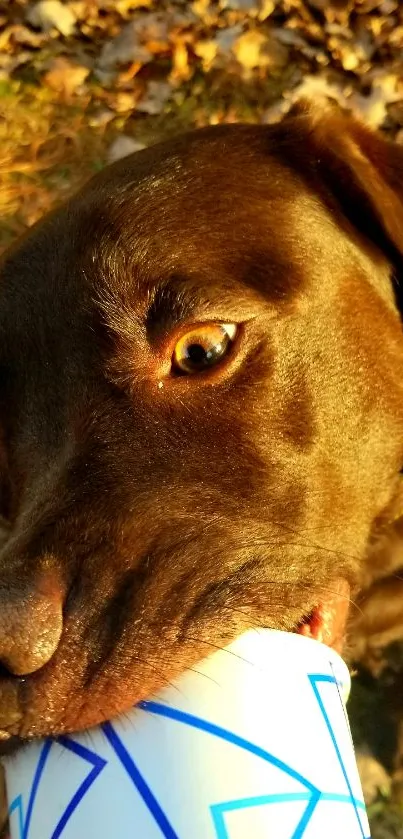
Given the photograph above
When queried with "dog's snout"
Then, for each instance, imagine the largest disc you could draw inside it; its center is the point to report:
(31, 623)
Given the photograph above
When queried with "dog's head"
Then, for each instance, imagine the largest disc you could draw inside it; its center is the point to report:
(201, 404)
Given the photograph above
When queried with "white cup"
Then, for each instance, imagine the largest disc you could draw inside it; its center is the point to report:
(255, 745)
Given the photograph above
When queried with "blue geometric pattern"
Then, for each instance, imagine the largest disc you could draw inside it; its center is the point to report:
(310, 796)
(92, 758)
(218, 811)
(139, 782)
(17, 805)
(315, 681)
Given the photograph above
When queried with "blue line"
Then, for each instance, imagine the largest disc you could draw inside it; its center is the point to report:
(229, 736)
(17, 805)
(326, 677)
(343, 799)
(261, 800)
(306, 816)
(323, 677)
(82, 751)
(281, 798)
(219, 824)
(35, 784)
(314, 679)
(98, 763)
(139, 782)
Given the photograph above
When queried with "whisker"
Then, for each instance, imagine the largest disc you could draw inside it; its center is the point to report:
(214, 646)
(205, 675)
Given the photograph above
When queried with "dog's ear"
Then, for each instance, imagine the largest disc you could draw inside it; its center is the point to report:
(361, 169)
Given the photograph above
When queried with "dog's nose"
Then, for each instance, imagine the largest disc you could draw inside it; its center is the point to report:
(31, 622)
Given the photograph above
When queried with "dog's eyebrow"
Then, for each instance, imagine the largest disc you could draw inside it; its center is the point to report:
(179, 298)
(170, 304)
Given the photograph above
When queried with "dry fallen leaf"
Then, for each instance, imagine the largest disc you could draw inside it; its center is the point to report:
(239, 5)
(289, 37)
(207, 51)
(334, 10)
(52, 14)
(65, 77)
(266, 9)
(374, 107)
(226, 37)
(146, 36)
(156, 97)
(101, 118)
(345, 52)
(23, 35)
(125, 48)
(248, 48)
(204, 10)
(254, 49)
(124, 7)
(125, 102)
(396, 38)
(181, 69)
(122, 147)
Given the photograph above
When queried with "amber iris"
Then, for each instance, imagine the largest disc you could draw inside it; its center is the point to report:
(203, 347)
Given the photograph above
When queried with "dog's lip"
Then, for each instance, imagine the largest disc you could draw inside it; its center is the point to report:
(327, 621)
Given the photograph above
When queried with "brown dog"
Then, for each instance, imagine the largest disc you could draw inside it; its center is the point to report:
(201, 363)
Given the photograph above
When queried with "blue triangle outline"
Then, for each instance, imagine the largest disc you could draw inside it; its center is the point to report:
(219, 811)
(16, 804)
(315, 680)
(97, 762)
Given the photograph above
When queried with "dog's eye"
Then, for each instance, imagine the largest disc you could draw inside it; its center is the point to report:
(202, 347)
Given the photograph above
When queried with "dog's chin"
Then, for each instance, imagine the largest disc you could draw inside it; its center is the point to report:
(328, 620)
